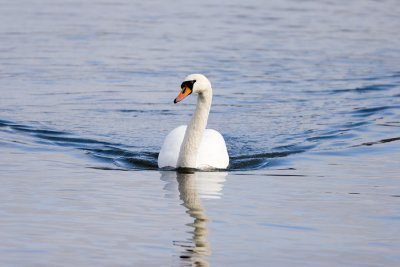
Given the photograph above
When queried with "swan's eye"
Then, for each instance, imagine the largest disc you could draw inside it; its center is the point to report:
(188, 84)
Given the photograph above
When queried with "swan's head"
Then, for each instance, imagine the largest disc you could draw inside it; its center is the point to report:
(194, 83)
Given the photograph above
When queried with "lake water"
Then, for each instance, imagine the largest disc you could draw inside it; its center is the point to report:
(306, 94)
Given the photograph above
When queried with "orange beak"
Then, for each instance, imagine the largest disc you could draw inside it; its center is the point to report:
(184, 93)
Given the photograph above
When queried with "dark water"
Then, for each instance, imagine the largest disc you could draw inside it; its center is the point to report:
(307, 96)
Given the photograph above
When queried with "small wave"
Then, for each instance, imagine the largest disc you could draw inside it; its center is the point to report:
(365, 89)
(141, 160)
(390, 124)
(382, 141)
(257, 161)
(363, 112)
(102, 151)
(339, 134)
(349, 125)
(159, 112)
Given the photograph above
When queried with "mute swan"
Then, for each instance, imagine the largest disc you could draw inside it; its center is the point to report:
(194, 146)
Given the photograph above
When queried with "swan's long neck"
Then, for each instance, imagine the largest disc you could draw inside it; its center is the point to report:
(194, 132)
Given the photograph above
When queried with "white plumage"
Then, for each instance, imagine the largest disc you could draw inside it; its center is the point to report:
(212, 152)
(194, 146)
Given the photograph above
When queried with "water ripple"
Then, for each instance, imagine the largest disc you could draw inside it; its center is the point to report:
(382, 141)
(122, 157)
(125, 159)
(363, 112)
(365, 89)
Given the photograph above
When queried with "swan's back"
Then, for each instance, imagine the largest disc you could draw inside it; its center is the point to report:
(212, 153)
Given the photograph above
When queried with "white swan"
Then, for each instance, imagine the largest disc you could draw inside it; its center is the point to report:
(194, 146)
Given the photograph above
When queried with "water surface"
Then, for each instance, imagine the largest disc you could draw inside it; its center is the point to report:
(307, 96)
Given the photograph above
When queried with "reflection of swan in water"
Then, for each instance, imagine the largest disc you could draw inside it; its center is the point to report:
(192, 187)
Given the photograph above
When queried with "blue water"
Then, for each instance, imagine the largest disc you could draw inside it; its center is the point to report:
(306, 94)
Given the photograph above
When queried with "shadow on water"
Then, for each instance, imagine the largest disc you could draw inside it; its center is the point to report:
(192, 188)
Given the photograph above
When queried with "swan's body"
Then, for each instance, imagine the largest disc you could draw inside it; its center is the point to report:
(194, 146)
(211, 148)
